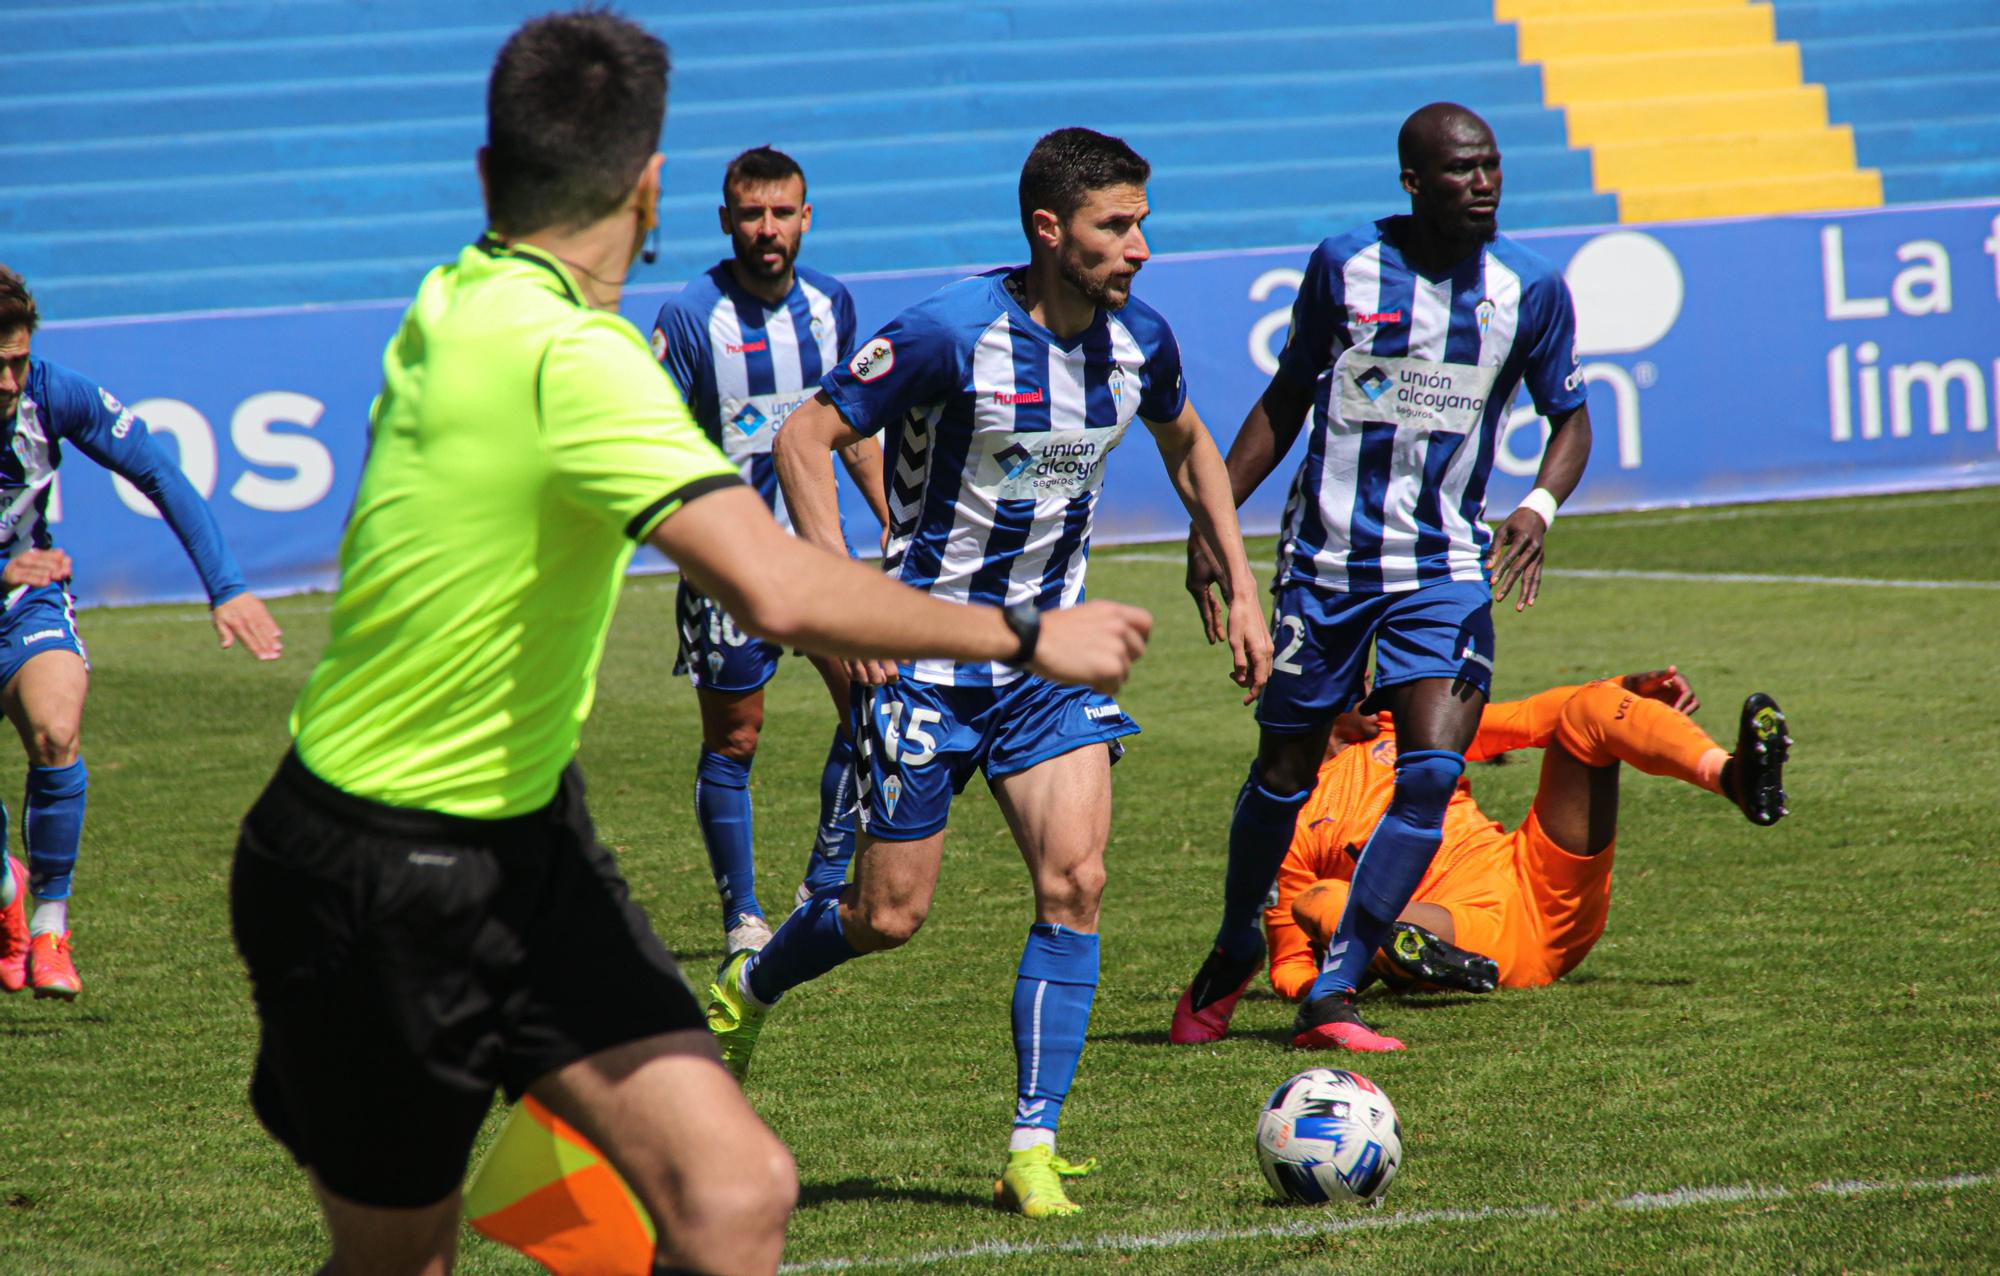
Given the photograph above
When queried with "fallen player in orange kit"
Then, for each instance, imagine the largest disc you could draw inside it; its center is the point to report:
(1518, 908)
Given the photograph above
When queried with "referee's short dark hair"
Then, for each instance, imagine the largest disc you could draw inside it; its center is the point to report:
(17, 304)
(1067, 165)
(573, 112)
(760, 164)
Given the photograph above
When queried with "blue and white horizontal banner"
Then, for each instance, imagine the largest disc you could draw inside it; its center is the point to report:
(1728, 361)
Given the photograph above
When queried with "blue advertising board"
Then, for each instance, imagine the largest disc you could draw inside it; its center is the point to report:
(1763, 359)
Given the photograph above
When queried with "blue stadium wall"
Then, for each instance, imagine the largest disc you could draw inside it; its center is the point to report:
(1795, 356)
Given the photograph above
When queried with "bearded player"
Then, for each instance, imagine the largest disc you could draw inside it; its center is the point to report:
(746, 344)
(1001, 398)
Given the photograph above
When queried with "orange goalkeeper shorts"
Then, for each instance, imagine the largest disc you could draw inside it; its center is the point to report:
(1536, 911)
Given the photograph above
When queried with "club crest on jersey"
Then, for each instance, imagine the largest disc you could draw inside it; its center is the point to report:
(1372, 383)
(817, 327)
(873, 360)
(1483, 313)
(1116, 384)
(892, 791)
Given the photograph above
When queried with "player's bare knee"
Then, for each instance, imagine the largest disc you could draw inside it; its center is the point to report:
(1070, 895)
(882, 926)
(721, 1217)
(737, 742)
(1288, 765)
(54, 744)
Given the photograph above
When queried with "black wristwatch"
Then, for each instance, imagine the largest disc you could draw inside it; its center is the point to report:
(1026, 623)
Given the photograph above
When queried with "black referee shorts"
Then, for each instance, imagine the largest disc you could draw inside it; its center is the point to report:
(406, 963)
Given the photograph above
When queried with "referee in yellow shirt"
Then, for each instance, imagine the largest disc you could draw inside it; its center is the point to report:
(418, 895)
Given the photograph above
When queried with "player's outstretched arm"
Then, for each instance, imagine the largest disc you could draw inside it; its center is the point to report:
(245, 619)
(782, 588)
(1199, 477)
(803, 454)
(1262, 441)
(1517, 548)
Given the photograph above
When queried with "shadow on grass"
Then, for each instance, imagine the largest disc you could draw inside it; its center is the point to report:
(26, 1028)
(866, 1189)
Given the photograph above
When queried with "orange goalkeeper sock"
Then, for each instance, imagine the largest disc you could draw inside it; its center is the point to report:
(1604, 723)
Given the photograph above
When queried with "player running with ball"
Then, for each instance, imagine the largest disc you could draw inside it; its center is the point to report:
(1408, 341)
(1000, 398)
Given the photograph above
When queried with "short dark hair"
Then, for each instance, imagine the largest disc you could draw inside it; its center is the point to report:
(17, 304)
(573, 112)
(1070, 163)
(760, 164)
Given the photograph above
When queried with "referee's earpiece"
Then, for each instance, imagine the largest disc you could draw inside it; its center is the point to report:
(651, 253)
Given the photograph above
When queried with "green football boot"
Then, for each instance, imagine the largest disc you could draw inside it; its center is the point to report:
(1032, 1183)
(733, 1016)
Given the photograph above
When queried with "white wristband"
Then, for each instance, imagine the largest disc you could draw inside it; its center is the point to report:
(1543, 502)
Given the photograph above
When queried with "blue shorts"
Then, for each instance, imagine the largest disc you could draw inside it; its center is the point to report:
(1322, 639)
(716, 655)
(37, 620)
(920, 742)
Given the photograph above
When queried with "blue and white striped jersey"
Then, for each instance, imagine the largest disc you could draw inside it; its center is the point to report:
(995, 438)
(58, 406)
(1412, 380)
(743, 365)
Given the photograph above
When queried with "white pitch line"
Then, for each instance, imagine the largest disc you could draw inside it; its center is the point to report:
(1710, 578)
(1611, 521)
(1678, 1198)
(1766, 578)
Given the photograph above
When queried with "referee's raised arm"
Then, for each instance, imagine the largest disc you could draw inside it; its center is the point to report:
(780, 587)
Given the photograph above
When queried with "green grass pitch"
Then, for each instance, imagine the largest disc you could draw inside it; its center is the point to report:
(1784, 1049)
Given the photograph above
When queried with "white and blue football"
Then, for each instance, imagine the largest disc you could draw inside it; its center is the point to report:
(1329, 1135)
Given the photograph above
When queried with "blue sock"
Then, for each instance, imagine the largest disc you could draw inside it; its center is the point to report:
(53, 826)
(722, 808)
(1391, 866)
(1052, 997)
(809, 944)
(1260, 832)
(833, 847)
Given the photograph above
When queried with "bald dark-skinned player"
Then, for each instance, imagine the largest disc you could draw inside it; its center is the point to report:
(1409, 339)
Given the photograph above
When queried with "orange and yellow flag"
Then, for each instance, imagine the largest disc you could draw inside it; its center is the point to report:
(544, 1190)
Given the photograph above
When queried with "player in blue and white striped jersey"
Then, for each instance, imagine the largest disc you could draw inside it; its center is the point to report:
(1409, 340)
(1001, 398)
(43, 674)
(746, 343)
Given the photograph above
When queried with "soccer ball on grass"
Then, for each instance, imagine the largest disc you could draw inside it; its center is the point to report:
(1329, 1135)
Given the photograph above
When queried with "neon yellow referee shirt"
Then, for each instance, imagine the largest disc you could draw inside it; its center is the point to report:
(522, 446)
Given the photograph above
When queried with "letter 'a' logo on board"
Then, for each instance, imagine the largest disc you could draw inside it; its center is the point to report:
(873, 361)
